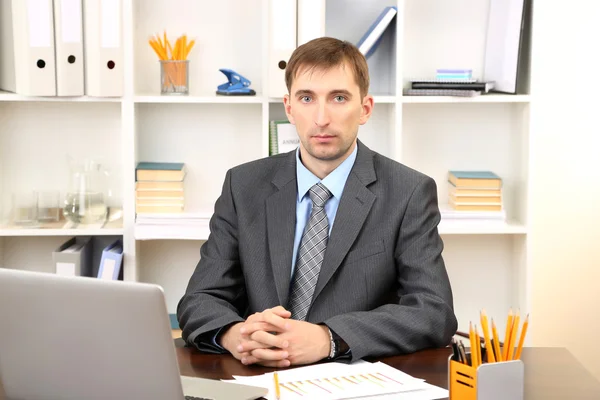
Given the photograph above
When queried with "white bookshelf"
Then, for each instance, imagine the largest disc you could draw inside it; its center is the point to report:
(488, 262)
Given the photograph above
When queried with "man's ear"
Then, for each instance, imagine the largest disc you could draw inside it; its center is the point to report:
(367, 109)
(288, 109)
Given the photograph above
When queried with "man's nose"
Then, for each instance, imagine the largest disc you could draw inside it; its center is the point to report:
(322, 115)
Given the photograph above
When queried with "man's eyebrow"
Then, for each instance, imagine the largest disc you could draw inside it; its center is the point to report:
(304, 92)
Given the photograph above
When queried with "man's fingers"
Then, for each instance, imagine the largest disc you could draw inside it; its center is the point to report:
(270, 354)
(282, 312)
(249, 360)
(262, 355)
(269, 339)
(275, 364)
(281, 323)
(250, 327)
(251, 345)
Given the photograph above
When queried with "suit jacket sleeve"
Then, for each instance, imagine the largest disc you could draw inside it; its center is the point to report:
(216, 295)
(421, 314)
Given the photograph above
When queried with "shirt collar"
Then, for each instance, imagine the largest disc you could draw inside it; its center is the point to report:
(334, 182)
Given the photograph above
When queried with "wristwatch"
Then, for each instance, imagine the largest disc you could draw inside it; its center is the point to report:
(338, 346)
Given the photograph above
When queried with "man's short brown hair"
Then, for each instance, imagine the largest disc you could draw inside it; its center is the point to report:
(325, 53)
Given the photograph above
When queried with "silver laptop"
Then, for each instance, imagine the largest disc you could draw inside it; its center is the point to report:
(74, 338)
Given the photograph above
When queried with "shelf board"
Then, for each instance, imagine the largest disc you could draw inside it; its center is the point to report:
(446, 227)
(62, 228)
(486, 98)
(8, 96)
(172, 232)
(480, 227)
(209, 99)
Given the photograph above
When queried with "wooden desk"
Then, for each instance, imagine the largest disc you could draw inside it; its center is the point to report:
(550, 373)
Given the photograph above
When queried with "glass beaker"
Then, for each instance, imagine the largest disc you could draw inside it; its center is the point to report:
(85, 200)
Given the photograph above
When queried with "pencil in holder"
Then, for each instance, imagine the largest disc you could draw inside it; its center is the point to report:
(174, 76)
(489, 381)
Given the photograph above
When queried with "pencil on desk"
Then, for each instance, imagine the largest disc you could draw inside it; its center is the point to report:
(509, 324)
(522, 338)
(276, 380)
(486, 337)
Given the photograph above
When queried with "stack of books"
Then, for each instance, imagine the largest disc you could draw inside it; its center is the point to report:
(159, 188)
(476, 194)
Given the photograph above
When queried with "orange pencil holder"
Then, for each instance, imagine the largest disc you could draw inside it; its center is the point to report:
(489, 381)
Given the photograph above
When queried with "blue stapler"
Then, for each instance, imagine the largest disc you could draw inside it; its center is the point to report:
(237, 85)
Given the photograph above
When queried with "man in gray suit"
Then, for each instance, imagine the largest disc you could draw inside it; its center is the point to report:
(327, 252)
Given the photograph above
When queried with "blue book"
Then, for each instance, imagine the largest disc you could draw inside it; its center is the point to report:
(111, 261)
(159, 166)
(371, 39)
(474, 179)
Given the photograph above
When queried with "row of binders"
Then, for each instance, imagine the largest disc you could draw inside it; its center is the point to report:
(61, 47)
(75, 258)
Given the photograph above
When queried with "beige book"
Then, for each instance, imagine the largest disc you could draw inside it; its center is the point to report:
(146, 194)
(159, 185)
(463, 200)
(162, 209)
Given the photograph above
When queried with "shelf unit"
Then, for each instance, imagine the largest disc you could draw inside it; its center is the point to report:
(488, 262)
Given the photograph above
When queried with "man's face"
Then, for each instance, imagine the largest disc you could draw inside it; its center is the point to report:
(327, 110)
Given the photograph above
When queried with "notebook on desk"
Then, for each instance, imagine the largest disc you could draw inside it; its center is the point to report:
(75, 338)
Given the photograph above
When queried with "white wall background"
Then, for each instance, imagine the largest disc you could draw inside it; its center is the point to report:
(566, 178)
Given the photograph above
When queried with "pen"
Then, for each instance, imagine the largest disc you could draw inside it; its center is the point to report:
(276, 379)
(462, 352)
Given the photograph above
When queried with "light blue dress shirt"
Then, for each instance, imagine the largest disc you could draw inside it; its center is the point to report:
(334, 182)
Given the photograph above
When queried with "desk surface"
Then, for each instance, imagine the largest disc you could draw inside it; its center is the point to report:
(550, 373)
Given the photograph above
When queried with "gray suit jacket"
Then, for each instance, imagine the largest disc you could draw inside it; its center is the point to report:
(383, 285)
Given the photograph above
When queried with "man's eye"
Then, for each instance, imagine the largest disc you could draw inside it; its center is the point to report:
(339, 99)
(305, 99)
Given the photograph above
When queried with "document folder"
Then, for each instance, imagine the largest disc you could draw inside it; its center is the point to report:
(103, 47)
(111, 261)
(311, 20)
(27, 64)
(74, 257)
(68, 26)
(282, 43)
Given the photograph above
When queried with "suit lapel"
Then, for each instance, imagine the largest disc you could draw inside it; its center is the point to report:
(355, 204)
(281, 225)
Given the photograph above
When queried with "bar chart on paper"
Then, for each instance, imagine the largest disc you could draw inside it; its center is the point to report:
(341, 381)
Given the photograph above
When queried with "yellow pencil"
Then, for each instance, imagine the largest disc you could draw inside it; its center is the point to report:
(496, 342)
(522, 338)
(276, 379)
(513, 338)
(486, 337)
(509, 323)
(473, 346)
(478, 345)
